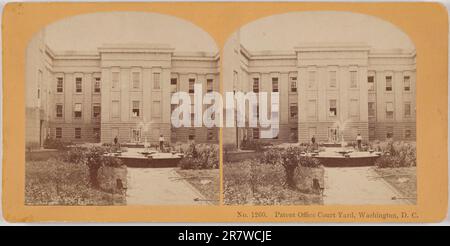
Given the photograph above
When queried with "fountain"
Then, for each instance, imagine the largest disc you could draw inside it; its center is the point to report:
(142, 155)
(338, 155)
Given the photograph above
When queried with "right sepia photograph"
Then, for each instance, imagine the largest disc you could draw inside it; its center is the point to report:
(339, 89)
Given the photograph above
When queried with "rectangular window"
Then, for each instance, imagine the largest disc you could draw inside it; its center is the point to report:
(209, 85)
(311, 79)
(173, 107)
(407, 133)
(294, 134)
(96, 111)
(115, 109)
(407, 83)
(96, 132)
(407, 109)
(156, 81)
(255, 133)
(78, 85)
(389, 110)
(312, 108)
(58, 132)
(371, 109)
(371, 83)
(388, 83)
(39, 82)
(173, 85)
(293, 84)
(136, 109)
(191, 135)
(354, 107)
(372, 132)
(235, 79)
(59, 85)
(293, 110)
(77, 112)
(136, 78)
(115, 80)
(78, 133)
(191, 86)
(255, 85)
(353, 79)
(333, 82)
(389, 132)
(97, 85)
(211, 135)
(274, 84)
(59, 111)
(156, 110)
(333, 108)
(275, 133)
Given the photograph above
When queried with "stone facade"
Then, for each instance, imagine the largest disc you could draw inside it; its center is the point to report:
(121, 90)
(328, 91)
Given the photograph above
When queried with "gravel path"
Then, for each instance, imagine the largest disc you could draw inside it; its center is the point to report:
(357, 186)
(160, 186)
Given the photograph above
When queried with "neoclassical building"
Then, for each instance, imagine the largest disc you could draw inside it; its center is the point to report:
(121, 90)
(328, 90)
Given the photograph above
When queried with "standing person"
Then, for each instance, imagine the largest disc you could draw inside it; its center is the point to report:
(313, 140)
(359, 141)
(116, 140)
(161, 142)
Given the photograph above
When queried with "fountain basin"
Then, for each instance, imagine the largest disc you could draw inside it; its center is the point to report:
(342, 161)
(346, 158)
(149, 160)
(331, 145)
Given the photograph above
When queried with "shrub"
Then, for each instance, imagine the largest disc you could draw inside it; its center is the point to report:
(200, 156)
(94, 158)
(290, 158)
(396, 154)
(251, 144)
(75, 155)
(271, 156)
(51, 143)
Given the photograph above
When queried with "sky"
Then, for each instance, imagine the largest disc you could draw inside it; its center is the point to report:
(285, 31)
(88, 32)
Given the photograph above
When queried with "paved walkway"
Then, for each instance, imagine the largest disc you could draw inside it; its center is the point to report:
(159, 186)
(357, 186)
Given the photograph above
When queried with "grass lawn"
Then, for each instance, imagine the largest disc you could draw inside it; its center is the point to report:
(402, 179)
(206, 181)
(249, 183)
(54, 182)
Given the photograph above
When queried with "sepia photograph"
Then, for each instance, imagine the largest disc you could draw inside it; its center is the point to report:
(98, 112)
(224, 112)
(344, 103)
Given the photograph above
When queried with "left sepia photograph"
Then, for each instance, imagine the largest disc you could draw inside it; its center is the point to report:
(99, 93)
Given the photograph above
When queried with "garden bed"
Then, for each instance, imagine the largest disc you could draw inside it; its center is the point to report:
(253, 183)
(403, 179)
(54, 182)
(42, 154)
(206, 181)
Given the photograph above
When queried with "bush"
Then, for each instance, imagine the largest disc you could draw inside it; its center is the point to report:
(200, 156)
(251, 144)
(396, 154)
(51, 143)
(290, 158)
(94, 158)
(75, 155)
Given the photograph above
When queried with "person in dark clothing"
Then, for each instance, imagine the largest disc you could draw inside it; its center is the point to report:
(313, 140)
(359, 141)
(116, 140)
(161, 143)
